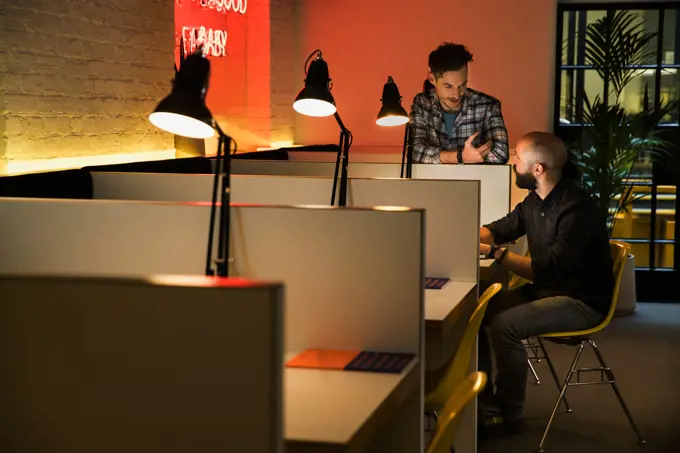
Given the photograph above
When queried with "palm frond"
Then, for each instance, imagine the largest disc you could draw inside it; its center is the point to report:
(617, 46)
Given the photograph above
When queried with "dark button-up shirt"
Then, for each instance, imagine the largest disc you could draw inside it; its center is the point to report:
(479, 113)
(568, 244)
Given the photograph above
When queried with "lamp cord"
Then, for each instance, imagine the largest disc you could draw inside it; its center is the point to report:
(310, 57)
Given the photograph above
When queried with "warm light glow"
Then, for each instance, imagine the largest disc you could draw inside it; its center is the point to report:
(314, 107)
(314, 206)
(277, 145)
(181, 125)
(202, 281)
(17, 166)
(392, 120)
(391, 208)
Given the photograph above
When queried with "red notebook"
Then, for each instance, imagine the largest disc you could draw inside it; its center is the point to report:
(377, 362)
(323, 358)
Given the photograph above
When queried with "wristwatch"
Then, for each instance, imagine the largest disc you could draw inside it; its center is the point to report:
(492, 251)
(460, 156)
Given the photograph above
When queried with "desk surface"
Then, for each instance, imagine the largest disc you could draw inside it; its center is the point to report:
(444, 306)
(340, 407)
(439, 303)
(486, 262)
(487, 268)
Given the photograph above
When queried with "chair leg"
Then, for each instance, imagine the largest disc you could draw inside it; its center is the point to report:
(563, 391)
(537, 358)
(610, 376)
(533, 371)
(553, 372)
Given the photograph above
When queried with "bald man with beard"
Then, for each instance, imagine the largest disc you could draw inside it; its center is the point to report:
(569, 267)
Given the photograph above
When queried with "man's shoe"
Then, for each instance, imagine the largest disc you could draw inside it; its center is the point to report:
(489, 424)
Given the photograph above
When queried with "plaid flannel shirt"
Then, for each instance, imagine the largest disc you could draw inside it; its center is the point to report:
(480, 112)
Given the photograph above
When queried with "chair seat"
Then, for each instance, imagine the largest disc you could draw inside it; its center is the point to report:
(571, 341)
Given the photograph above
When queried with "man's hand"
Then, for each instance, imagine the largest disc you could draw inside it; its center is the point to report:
(472, 155)
(484, 249)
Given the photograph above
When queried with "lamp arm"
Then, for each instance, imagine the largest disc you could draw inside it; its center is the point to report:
(223, 170)
(340, 123)
(408, 144)
(342, 159)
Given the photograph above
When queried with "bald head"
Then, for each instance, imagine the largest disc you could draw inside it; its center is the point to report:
(543, 148)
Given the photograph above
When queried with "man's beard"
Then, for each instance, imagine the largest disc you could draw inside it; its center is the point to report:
(525, 180)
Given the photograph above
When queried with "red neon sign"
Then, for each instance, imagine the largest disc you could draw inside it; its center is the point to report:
(222, 6)
(214, 42)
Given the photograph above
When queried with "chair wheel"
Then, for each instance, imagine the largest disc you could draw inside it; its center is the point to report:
(539, 450)
(570, 410)
(643, 442)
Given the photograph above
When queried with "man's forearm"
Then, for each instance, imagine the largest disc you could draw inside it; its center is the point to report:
(520, 265)
(449, 157)
(485, 236)
(424, 153)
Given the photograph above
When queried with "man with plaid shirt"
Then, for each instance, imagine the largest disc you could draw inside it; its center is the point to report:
(451, 123)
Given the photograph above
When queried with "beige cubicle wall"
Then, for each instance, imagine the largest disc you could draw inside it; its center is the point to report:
(345, 271)
(452, 207)
(178, 187)
(452, 232)
(163, 363)
(495, 180)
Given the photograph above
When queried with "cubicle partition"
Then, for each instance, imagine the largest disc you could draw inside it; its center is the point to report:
(103, 364)
(495, 188)
(452, 231)
(452, 213)
(176, 187)
(345, 272)
(452, 207)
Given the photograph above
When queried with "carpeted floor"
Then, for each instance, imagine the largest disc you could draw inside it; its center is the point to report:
(643, 350)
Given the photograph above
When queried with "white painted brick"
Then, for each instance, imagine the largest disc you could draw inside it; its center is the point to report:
(81, 76)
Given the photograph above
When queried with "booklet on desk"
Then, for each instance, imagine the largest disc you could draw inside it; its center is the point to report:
(435, 283)
(378, 362)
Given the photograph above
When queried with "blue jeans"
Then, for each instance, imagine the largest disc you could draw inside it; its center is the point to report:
(513, 316)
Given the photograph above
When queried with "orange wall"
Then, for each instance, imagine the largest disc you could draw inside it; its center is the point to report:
(513, 44)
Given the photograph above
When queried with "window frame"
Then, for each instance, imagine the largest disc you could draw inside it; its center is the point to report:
(654, 283)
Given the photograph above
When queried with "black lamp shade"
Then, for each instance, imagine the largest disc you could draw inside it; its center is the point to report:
(315, 99)
(392, 113)
(184, 112)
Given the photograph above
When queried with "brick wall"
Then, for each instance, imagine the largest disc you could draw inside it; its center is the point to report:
(286, 82)
(79, 77)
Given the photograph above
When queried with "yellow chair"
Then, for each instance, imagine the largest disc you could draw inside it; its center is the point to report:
(579, 339)
(458, 368)
(449, 419)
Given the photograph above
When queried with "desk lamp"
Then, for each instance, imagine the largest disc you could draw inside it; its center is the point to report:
(393, 114)
(316, 100)
(184, 112)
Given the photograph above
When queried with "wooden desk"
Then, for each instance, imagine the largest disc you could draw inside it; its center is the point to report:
(333, 411)
(443, 306)
(446, 313)
(487, 268)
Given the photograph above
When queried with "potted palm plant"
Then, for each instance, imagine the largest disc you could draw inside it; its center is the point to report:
(613, 140)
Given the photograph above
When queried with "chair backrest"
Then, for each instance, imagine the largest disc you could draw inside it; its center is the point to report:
(619, 251)
(450, 417)
(458, 368)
